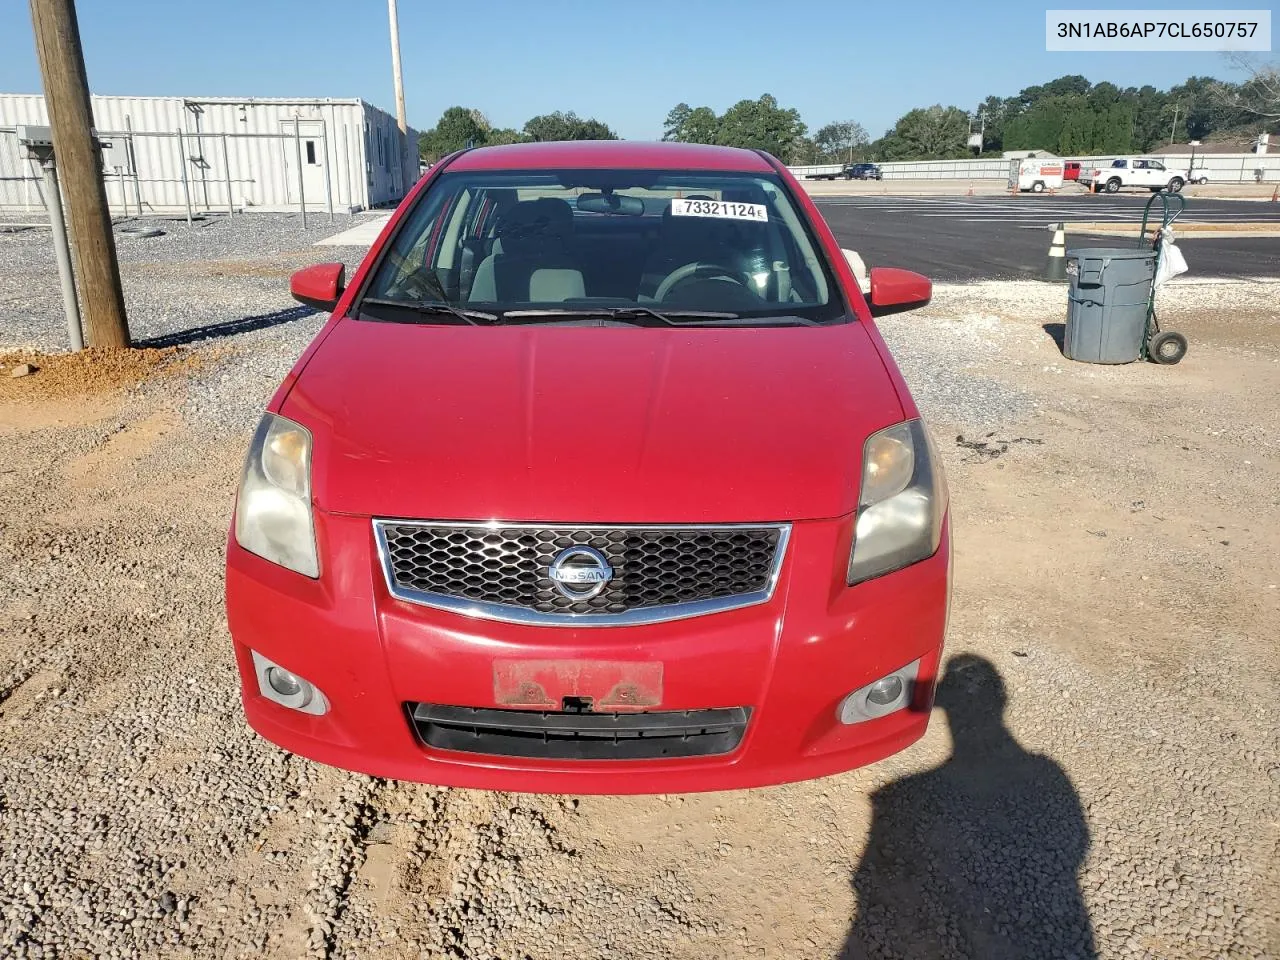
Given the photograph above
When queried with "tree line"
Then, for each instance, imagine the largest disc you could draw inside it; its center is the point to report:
(460, 127)
(1067, 116)
(1070, 115)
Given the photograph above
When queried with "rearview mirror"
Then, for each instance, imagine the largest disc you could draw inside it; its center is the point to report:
(320, 286)
(611, 203)
(894, 290)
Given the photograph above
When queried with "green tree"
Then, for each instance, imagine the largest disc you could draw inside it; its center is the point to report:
(501, 135)
(1076, 135)
(1148, 105)
(927, 133)
(1039, 126)
(994, 113)
(566, 126)
(1068, 86)
(686, 124)
(674, 126)
(803, 150)
(456, 127)
(761, 125)
(1113, 130)
(836, 142)
(1103, 95)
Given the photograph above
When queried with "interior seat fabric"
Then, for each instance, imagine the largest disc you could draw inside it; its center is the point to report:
(534, 263)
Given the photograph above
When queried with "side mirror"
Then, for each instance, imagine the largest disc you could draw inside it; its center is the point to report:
(320, 286)
(894, 290)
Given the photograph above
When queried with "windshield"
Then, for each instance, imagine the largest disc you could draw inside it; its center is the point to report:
(570, 243)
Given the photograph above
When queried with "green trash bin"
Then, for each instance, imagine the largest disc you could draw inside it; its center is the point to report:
(1107, 303)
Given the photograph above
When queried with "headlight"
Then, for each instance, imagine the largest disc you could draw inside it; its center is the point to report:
(902, 505)
(273, 511)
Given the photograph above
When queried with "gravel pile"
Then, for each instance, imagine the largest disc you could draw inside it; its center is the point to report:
(959, 385)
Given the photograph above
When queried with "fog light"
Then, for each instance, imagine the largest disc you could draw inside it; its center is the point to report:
(884, 692)
(283, 682)
(288, 689)
(878, 699)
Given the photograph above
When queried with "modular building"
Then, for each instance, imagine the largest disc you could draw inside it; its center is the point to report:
(170, 154)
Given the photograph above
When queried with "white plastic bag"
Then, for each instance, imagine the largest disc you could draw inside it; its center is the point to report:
(1172, 262)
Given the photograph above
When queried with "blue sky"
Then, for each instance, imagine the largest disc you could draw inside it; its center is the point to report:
(624, 63)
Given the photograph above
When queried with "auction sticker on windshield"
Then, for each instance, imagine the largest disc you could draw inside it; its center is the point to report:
(720, 208)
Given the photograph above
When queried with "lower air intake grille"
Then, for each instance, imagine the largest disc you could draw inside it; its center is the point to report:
(580, 736)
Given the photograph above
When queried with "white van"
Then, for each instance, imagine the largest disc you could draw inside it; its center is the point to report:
(1035, 175)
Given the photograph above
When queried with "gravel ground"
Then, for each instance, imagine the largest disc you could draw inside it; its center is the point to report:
(217, 273)
(1100, 779)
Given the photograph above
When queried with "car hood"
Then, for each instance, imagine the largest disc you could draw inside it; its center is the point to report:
(591, 424)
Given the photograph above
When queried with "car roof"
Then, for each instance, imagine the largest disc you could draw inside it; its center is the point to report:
(612, 154)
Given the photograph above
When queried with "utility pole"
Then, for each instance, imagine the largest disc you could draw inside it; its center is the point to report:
(1174, 126)
(401, 119)
(93, 247)
(395, 66)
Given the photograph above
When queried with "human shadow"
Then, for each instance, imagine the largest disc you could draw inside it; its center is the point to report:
(979, 857)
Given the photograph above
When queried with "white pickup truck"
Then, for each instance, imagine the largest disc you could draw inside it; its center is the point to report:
(1143, 172)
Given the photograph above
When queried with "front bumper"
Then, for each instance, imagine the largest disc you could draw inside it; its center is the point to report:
(790, 662)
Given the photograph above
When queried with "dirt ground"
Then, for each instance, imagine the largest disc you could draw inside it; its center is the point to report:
(1116, 539)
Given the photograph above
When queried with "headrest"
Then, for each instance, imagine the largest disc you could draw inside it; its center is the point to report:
(502, 196)
(533, 224)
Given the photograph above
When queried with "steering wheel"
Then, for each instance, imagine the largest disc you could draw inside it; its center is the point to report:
(699, 270)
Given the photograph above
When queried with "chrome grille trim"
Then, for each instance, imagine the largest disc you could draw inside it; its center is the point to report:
(510, 613)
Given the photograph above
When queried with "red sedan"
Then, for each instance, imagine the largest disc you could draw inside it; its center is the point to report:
(599, 479)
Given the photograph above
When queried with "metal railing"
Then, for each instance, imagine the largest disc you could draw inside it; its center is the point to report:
(1219, 168)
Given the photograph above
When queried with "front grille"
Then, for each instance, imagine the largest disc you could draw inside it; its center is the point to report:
(503, 572)
(580, 736)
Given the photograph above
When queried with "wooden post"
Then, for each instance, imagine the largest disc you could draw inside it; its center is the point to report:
(93, 247)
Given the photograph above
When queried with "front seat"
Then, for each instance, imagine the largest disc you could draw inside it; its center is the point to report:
(533, 263)
(476, 248)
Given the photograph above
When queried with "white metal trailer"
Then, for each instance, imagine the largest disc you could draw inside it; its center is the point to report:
(219, 153)
(1036, 174)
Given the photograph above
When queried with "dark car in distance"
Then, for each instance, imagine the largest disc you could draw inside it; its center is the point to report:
(862, 171)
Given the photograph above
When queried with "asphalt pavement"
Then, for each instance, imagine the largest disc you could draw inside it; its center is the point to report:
(962, 239)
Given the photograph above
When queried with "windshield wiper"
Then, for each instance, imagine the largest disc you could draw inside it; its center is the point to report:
(776, 320)
(670, 318)
(435, 308)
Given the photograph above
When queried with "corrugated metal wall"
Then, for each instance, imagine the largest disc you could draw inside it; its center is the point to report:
(389, 174)
(249, 141)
